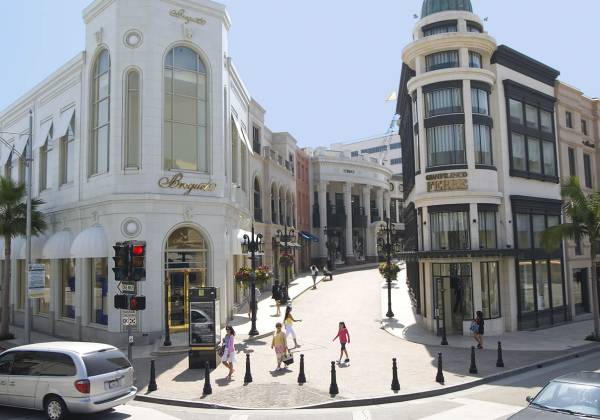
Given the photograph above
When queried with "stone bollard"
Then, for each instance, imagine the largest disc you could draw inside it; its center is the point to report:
(333, 388)
(152, 383)
(395, 382)
(440, 375)
(248, 376)
(473, 367)
(207, 388)
(301, 376)
(499, 362)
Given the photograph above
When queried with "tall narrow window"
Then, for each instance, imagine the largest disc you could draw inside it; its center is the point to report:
(483, 145)
(475, 60)
(587, 170)
(100, 115)
(569, 119)
(235, 140)
(572, 167)
(244, 168)
(584, 129)
(67, 154)
(256, 143)
(257, 201)
(44, 162)
(185, 127)
(487, 230)
(490, 290)
(132, 120)
(480, 101)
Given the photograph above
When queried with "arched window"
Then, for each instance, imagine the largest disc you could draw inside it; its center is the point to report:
(44, 160)
(257, 201)
(273, 204)
(281, 206)
(100, 114)
(132, 119)
(185, 129)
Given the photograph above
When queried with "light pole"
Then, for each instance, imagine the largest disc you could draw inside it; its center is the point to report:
(167, 341)
(285, 237)
(388, 248)
(253, 245)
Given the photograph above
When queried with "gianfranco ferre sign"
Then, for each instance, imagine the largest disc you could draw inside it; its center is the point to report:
(454, 181)
(180, 14)
(177, 182)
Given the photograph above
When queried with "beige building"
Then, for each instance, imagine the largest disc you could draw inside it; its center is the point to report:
(578, 133)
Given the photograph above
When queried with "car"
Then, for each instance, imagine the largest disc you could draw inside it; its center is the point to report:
(65, 377)
(572, 396)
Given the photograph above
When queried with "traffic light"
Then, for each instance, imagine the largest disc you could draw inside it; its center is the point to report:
(137, 303)
(121, 259)
(138, 260)
(121, 301)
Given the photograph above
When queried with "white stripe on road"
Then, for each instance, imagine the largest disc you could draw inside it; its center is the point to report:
(474, 409)
(361, 415)
(238, 417)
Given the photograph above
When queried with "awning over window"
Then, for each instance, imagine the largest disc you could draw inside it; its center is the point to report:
(42, 134)
(4, 154)
(90, 243)
(308, 236)
(37, 245)
(15, 247)
(242, 135)
(58, 246)
(290, 244)
(19, 146)
(61, 127)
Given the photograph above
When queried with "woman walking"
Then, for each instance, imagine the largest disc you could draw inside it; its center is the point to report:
(276, 295)
(314, 272)
(478, 333)
(344, 337)
(288, 321)
(279, 344)
(228, 358)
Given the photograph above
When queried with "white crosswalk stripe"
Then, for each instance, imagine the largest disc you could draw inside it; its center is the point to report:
(473, 409)
(361, 415)
(238, 417)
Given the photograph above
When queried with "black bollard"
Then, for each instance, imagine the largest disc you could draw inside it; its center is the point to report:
(395, 382)
(248, 376)
(152, 384)
(473, 367)
(333, 388)
(499, 362)
(301, 376)
(440, 375)
(207, 388)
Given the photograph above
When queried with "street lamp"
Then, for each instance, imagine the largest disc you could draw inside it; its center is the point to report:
(285, 237)
(331, 247)
(388, 248)
(253, 245)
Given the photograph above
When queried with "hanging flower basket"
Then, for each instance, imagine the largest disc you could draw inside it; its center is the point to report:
(286, 259)
(389, 271)
(263, 273)
(243, 274)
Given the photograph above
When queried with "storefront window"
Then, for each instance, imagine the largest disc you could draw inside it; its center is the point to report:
(526, 286)
(450, 230)
(541, 277)
(67, 275)
(490, 290)
(99, 289)
(461, 289)
(557, 284)
(42, 305)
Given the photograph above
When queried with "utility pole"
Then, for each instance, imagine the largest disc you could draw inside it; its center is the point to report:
(28, 165)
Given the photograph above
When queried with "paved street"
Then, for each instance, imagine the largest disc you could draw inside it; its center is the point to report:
(494, 401)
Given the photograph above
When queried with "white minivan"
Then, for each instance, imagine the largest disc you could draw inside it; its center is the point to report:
(65, 377)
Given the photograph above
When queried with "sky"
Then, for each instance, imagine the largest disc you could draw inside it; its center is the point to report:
(321, 68)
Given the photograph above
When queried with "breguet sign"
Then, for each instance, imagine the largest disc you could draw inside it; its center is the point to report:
(453, 181)
(180, 14)
(177, 182)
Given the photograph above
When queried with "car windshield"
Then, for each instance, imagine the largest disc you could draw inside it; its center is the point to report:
(571, 398)
(103, 362)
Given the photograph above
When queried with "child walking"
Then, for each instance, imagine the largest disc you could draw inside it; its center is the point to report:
(288, 322)
(344, 337)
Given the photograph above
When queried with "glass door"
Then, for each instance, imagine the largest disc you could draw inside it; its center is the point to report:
(180, 284)
(438, 284)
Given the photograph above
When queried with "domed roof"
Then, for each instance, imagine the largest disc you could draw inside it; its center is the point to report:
(434, 6)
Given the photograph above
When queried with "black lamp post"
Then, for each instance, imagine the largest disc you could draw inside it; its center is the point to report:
(444, 338)
(388, 248)
(285, 237)
(167, 341)
(252, 246)
(331, 247)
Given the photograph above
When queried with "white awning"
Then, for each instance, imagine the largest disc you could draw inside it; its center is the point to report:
(42, 134)
(90, 243)
(15, 247)
(19, 146)
(61, 127)
(4, 154)
(58, 246)
(242, 135)
(37, 244)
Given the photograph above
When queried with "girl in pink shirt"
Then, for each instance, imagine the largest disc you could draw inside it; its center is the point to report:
(344, 337)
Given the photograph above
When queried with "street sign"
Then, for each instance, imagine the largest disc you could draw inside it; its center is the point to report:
(128, 287)
(128, 318)
(36, 280)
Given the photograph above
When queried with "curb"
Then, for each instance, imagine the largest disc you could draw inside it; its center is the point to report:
(381, 400)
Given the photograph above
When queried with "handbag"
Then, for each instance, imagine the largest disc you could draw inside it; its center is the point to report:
(288, 358)
(474, 327)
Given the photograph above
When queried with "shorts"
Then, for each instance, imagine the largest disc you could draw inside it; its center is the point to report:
(343, 345)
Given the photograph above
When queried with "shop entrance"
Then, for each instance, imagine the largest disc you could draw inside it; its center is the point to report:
(453, 291)
(185, 270)
(580, 291)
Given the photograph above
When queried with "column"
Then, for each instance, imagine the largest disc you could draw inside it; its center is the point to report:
(322, 192)
(380, 203)
(366, 202)
(386, 205)
(350, 260)
(469, 135)
(474, 225)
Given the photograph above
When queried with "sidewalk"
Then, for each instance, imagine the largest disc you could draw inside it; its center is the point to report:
(404, 325)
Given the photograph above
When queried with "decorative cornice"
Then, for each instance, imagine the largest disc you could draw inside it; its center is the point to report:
(523, 64)
(94, 9)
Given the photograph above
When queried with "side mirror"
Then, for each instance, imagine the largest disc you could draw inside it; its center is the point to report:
(528, 399)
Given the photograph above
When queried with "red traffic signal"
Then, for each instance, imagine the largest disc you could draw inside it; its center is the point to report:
(137, 303)
(138, 250)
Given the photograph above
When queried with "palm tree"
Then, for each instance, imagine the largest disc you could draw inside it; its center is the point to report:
(13, 222)
(583, 214)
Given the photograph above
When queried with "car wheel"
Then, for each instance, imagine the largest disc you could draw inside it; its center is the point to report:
(55, 408)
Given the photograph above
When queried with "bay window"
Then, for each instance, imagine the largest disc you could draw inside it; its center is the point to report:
(446, 145)
(483, 145)
(443, 101)
(475, 60)
(480, 101)
(441, 60)
(449, 229)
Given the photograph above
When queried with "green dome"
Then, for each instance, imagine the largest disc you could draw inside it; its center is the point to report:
(434, 6)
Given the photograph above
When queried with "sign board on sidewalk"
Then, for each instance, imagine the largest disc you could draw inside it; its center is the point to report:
(36, 281)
